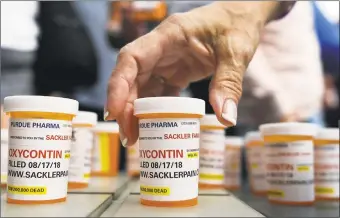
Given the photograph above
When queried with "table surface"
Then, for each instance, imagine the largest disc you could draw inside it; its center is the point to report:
(118, 197)
(76, 205)
(272, 210)
(209, 206)
(103, 185)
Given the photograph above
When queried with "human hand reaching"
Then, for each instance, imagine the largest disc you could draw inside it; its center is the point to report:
(216, 40)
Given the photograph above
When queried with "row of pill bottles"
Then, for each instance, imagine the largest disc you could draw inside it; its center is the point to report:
(220, 156)
(50, 148)
(293, 170)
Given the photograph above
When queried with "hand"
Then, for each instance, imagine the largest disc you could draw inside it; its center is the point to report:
(218, 39)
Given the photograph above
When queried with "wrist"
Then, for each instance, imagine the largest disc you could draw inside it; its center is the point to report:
(252, 11)
(283, 9)
(259, 11)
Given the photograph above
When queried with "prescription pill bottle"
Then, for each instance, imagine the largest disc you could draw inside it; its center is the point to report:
(326, 153)
(81, 149)
(289, 157)
(105, 153)
(211, 153)
(255, 163)
(169, 133)
(232, 162)
(40, 133)
(132, 158)
(4, 156)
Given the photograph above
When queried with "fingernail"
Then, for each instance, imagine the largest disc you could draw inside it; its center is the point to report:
(123, 139)
(106, 114)
(124, 142)
(229, 112)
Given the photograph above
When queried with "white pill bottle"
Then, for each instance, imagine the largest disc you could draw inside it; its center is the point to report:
(289, 157)
(255, 158)
(232, 162)
(211, 153)
(40, 134)
(81, 149)
(169, 134)
(326, 152)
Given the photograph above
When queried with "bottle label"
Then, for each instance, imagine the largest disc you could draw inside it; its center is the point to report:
(290, 171)
(80, 162)
(327, 171)
(256, 168)
(101, 153)
(88, 156)
(232, 166)
(38, 161)
(133, 158)
(4, 161)
(212, 157)
(169, 159)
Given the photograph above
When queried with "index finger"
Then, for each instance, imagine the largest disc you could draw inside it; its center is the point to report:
(120, 83)
(139, 58)
(135, 59)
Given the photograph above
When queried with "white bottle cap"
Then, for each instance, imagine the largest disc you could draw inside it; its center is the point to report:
(234, 141)
(253, 136)
(176, 105)
(4, 134)
(85, 117)
(328, 134)
(40, 104)
(211, 120)
(111, 127)
(289, 128)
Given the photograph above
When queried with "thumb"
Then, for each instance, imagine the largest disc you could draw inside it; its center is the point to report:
(232, 58)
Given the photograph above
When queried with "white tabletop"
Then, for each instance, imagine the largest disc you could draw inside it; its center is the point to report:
(103, 185)
(76, 205)
(209, 206)
(213, 192)
(135, 189)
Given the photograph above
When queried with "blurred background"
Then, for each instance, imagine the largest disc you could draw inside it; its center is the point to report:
(69, 49)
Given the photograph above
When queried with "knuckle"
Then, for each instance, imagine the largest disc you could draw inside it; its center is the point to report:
(176, 23)
(125, 80)
(175, 19)
(238, 46)
(126, 50)
(244, 46)
(230, 83)
(175, 27)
